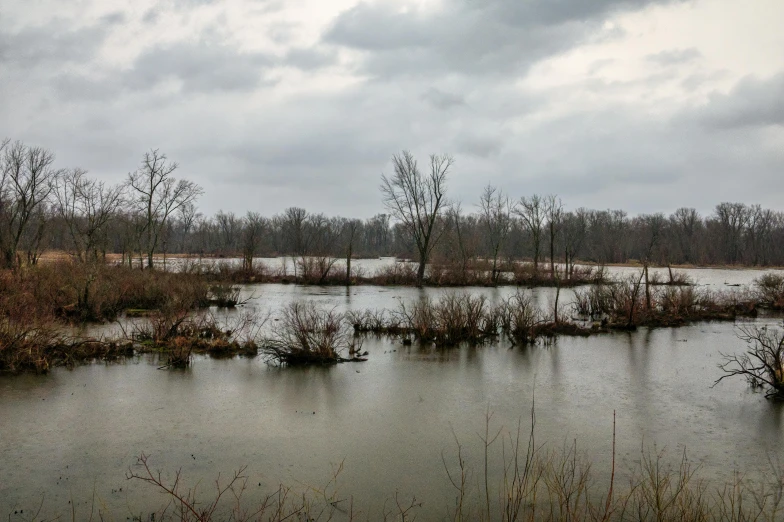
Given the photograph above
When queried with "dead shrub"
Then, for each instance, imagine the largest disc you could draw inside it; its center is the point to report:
(306, 334)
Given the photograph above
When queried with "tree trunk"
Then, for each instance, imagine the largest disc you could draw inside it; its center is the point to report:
(552, 250)
(348, 266)
(421, 271)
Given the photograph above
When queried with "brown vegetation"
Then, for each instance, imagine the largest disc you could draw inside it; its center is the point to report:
(625, 305)
(459, 317)
(537, 482)
(177, 333)
(306, 334)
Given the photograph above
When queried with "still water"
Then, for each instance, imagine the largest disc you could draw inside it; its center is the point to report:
(72, 434)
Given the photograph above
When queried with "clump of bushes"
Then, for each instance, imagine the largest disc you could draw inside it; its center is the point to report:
(374, 321)
(629, 303)
(307, 334)
(178, 333)
(396, 274)
(459, 317)
(770, 290)
(455, 318)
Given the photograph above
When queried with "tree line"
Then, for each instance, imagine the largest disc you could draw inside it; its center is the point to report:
(152, 212)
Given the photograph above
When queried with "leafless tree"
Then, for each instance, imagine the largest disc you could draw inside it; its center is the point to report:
(378, 233)
(733, 219)
(323, 235)
(575, 229)
(253, 227)
(687, 224)
(654, 225)
(418, 200)
(229, 228)
(554, 211)
(496, 209)
(157, 195)
(26, 182)
(532, 212)
(762, 364)
(349, 233)
(293, 225)
(187, 216)
(86, 206)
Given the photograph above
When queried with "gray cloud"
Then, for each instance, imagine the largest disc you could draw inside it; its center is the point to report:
(674, 56)
(465, 37)
(52, 44)
(441, 99)
(753, 102)
(309, 58)
(200, 67)
(482, 146)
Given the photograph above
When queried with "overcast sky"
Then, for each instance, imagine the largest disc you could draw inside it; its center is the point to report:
(640, 105)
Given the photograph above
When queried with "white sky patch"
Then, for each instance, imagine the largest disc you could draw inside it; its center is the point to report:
(729, 39)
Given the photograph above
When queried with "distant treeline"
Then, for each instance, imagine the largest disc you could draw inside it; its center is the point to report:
(44, 208)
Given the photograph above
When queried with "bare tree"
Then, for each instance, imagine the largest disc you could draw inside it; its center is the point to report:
(575, 228)
(687, 224)
(293, 225)
(496, 208)
(253, 227)
(229, 229)
(418, 200)
(554, 212)
(653, 231)
(86, 206)
(26, 182)
(158, 195)
(762, 364)
(350, 229)
(187, 216)
(733, 219)
(533, 213)
(377, 233)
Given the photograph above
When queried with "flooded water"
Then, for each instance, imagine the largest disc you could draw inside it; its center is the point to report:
(714, 277)
(73, 434)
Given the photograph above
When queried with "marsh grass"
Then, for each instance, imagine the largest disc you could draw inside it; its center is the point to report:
(307, 334)
(627, 304)
(462, 318)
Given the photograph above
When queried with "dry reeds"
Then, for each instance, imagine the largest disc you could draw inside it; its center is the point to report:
(770, 290)
(306, 334)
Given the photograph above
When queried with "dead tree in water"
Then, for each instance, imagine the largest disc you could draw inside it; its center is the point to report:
(418, 200)
(763, 363)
